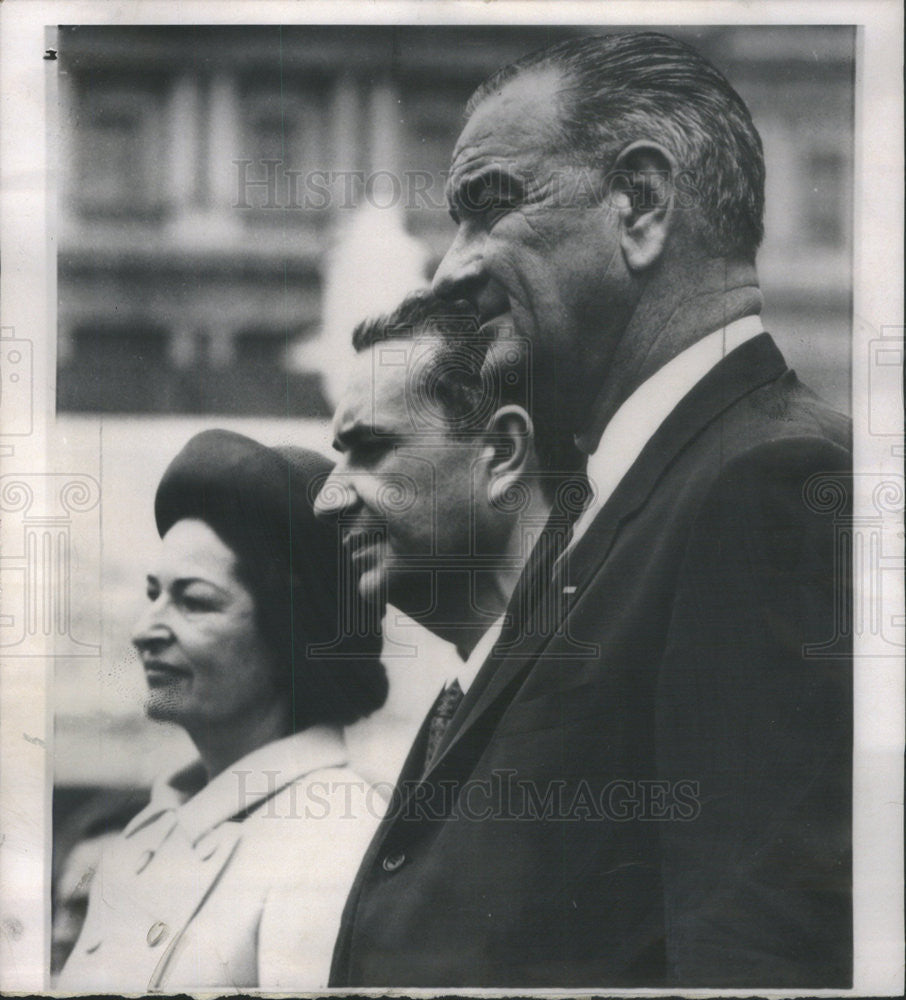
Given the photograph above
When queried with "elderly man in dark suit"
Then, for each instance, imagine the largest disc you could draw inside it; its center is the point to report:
(648, 783)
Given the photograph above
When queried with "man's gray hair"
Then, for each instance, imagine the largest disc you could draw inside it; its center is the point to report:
(618, 89)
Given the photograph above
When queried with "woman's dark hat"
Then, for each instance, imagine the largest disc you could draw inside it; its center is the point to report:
(253, 496)
(259, 501)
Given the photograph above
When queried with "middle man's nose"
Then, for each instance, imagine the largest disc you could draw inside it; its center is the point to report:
(337, 495)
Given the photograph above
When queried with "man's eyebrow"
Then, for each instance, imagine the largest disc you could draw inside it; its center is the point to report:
(510, 185)
(359, 435)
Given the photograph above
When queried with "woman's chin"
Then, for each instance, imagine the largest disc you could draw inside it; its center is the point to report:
(163, 706)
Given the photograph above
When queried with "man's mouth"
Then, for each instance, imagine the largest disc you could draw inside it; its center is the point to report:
(499, 326)
(362, 545)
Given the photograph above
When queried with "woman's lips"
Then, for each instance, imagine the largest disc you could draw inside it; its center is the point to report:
(158, 672)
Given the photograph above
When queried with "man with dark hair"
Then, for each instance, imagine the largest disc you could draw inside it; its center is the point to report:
(668, 747)
(440, 489)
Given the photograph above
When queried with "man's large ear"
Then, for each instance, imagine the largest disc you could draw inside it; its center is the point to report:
(642, 185)
(508, 454)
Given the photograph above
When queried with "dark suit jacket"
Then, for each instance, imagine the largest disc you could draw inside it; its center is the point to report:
(650, 784)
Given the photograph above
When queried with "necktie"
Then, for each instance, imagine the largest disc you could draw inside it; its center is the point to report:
(441, 714)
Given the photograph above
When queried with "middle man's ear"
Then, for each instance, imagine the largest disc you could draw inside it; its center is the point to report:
(508, 453)
(641, 187)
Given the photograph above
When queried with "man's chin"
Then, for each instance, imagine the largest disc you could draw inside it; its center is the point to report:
(373, 587)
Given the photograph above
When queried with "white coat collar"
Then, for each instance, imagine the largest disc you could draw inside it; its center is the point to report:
(199, 807)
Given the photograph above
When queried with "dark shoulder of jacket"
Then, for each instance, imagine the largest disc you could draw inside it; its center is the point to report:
(788, 408)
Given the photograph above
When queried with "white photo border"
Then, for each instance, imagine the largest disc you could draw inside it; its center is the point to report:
(28, 298)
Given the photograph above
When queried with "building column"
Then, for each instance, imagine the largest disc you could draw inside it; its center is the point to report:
(344, 143)
(224, 143)
(182, 346)
(183, 133)
(385, 135)
(221, 347)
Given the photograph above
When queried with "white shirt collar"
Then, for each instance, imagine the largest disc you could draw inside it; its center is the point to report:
(199, 806)
(467, 672)
(637, 420)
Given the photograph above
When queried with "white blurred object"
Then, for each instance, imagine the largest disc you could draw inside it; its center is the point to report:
(373, 265)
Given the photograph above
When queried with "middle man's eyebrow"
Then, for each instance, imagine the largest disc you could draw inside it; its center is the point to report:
(362, 435)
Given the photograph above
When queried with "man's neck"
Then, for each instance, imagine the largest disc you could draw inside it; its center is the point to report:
(486, 596)
(680, 305)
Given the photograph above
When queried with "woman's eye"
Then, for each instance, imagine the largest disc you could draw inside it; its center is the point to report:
(194, 603)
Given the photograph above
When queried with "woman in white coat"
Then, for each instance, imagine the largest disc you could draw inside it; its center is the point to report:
(235, 874)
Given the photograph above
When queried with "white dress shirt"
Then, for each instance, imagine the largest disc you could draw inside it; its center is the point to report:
(237, 882)
(630, 429)
(468, 670)
(637, 420)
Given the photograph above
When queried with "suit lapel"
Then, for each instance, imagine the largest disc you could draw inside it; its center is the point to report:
(754, 363)
(409, 777)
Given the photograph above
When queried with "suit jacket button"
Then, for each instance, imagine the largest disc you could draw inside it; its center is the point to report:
(393, 861)
(156, 933)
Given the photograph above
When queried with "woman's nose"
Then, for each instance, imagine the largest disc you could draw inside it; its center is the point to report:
(151, 629)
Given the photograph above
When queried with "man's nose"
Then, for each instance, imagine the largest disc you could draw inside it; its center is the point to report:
(460, 274)
(337, 496)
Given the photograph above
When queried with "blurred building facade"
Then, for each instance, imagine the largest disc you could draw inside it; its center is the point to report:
(205, 173)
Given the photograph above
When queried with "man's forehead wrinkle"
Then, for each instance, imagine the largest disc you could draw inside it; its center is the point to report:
(517, 129)
(475, 157)
(528, 108)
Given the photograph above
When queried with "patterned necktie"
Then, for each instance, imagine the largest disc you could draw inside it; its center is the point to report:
(441, 714)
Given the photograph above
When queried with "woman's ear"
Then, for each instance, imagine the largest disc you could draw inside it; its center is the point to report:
(508, 452)
(642, 185)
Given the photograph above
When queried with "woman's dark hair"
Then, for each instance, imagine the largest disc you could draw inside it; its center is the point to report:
(326, 641)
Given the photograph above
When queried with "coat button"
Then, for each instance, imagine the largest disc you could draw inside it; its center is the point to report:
(393, 861)
(156, 933)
